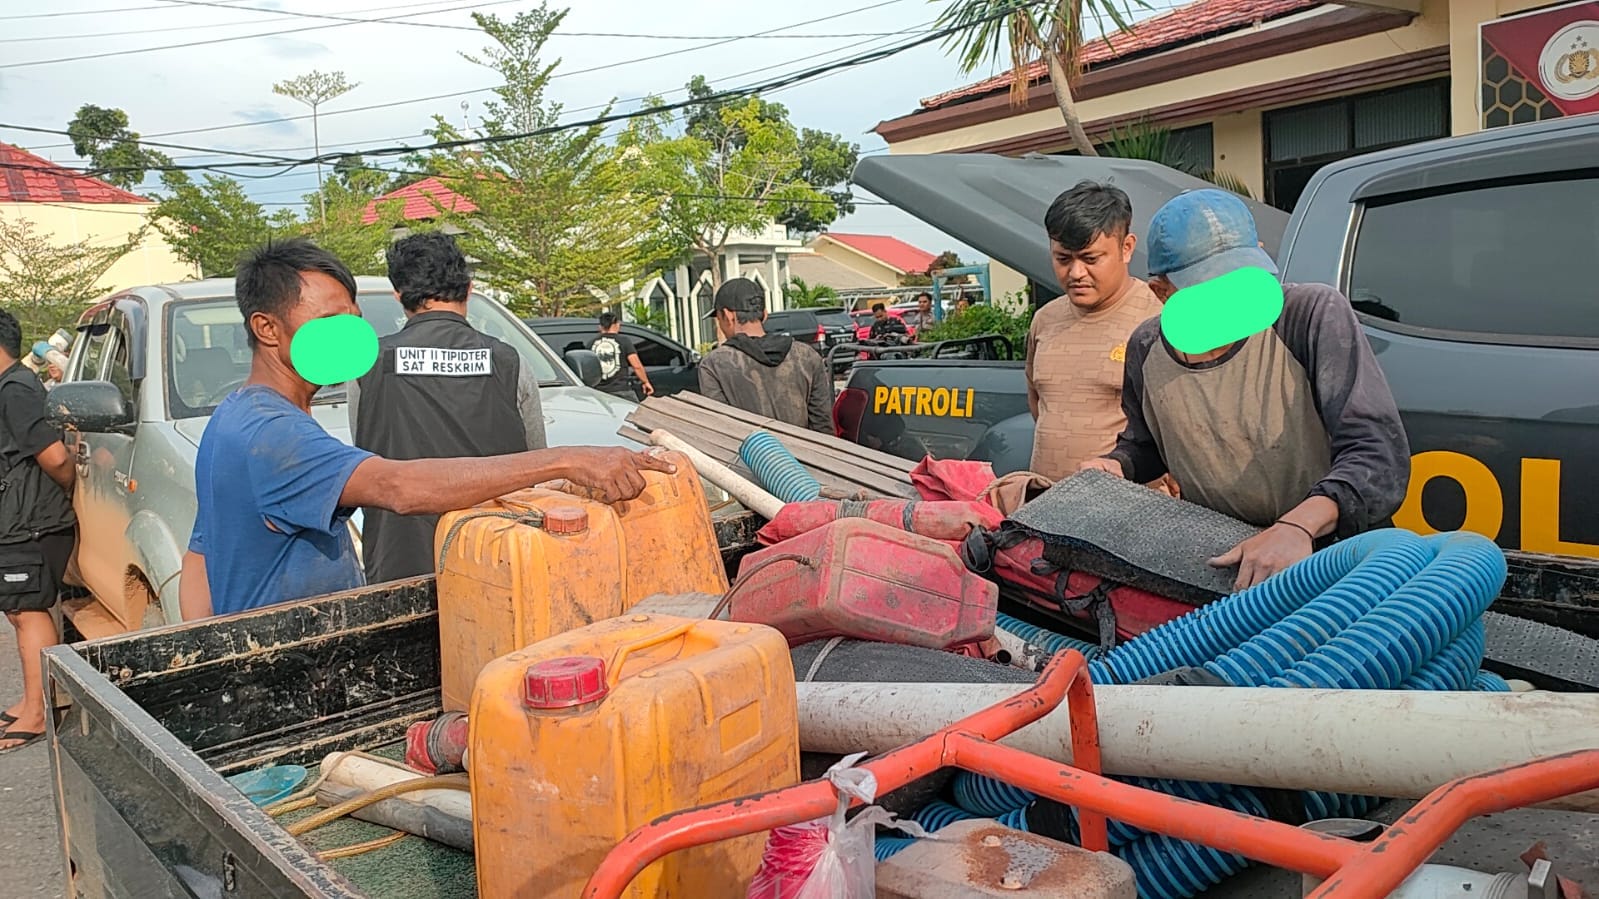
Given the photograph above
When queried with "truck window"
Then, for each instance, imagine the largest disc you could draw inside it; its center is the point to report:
(653, 353)
(1512, 259)
(92, 361)
(117, 370)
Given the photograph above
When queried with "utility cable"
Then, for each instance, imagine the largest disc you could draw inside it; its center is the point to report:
(463, 93)
(738, 93)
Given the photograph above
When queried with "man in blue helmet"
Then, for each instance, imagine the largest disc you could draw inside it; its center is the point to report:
(1263, 400)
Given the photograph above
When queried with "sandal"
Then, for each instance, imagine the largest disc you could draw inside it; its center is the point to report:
(6, 719)
(27, 737)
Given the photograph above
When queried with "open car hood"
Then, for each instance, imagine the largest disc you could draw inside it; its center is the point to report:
(996, 204)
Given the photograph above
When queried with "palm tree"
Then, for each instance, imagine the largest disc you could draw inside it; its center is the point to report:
(1027, 31)
(1148, 141)
(801, 295)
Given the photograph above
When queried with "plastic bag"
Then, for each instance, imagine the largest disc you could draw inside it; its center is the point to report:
(828, 858)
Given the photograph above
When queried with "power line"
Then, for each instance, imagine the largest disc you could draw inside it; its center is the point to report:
(312, 15)
(716, 96)
(915, 29)
(207, 26)
(479, 90)
(243, 37)
(92, 12)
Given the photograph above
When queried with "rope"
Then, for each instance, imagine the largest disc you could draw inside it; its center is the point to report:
(530, 517)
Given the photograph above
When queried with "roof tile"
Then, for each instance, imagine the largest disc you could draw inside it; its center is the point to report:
(1195, 21)
(422, 200)
(889, 250)
(26, 178)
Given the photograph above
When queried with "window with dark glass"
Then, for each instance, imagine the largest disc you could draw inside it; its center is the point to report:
(1509, 258)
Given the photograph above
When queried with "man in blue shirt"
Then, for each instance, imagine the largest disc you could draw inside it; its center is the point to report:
(275, 491)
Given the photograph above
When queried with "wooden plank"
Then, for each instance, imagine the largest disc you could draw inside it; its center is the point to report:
(705, 432)
(830, 472)
(778, 427)
(827, 454)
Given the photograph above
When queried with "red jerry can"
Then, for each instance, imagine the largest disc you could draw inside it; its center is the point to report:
(860, 579)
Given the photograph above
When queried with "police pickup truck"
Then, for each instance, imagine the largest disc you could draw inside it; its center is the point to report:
(1470, 261)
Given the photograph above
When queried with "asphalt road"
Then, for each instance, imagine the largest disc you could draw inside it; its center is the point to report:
(30, 849)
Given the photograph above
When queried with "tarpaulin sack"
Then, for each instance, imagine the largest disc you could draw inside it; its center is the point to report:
(948, 521)
(957, 479)
(829, 858)
(1017, 560)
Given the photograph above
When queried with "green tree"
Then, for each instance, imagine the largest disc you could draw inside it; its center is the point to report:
(826, 160)
(714, 184)
(47, 282)
(340, 227)
(211, 223)
(1024, 32)
(644, 314)
(356, 175)
(559, 223)
(984, 318)
(802, 295)
(102, 136)
(313, 89)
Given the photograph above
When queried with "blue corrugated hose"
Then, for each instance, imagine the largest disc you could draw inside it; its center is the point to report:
(1385, 610)
(1046, 639)
(776, 468)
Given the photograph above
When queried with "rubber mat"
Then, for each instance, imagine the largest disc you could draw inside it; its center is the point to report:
(1545, 656)
(1128, 533)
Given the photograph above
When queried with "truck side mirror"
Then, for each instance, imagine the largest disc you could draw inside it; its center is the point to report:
(586, 365)
(92, 407)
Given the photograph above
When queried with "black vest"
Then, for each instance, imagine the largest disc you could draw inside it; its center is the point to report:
(440, 389)
(31, 502)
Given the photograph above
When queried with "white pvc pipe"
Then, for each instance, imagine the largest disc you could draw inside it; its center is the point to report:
(365, 774)
(1395, 743)
(738, 487)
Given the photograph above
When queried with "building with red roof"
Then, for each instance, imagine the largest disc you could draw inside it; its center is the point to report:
(420, 201)
(1268, 91)
(882, 259)
(71, 207)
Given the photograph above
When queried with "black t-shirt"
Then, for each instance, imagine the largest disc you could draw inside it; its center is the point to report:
(22, 411)
(32, 502)
(613, 350)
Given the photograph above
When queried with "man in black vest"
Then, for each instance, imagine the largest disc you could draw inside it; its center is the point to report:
(440, 389)
(36, 524)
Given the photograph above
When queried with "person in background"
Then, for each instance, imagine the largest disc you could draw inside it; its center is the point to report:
(759, 372)
(440, 389)
(619, 362)
(884, 325)
(1280, 418)
(52, 375)
(923, 316)
(36, 529)
(962, 303)
(275, 492)
(1076, 343)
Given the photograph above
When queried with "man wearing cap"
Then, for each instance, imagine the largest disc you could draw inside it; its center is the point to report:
(763, 373)
(1264, 400)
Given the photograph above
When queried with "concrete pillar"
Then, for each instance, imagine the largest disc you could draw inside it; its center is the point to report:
(1239, 149)
(1465, 57)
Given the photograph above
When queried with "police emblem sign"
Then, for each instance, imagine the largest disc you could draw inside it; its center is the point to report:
(1540, 65)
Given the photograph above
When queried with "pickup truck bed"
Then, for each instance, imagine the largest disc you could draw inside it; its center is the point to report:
(148, 725)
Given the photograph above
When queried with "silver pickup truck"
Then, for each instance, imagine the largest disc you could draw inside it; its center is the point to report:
(147, 369)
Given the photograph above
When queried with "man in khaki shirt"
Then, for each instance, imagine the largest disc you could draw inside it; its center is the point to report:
(1078, 341)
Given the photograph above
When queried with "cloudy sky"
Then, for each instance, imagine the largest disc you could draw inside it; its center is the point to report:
(215, 91)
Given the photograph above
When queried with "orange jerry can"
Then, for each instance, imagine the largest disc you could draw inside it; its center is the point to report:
(578, 740)
(540, 562)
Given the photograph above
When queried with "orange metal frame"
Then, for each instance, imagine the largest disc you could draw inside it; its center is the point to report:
(1349, 869)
